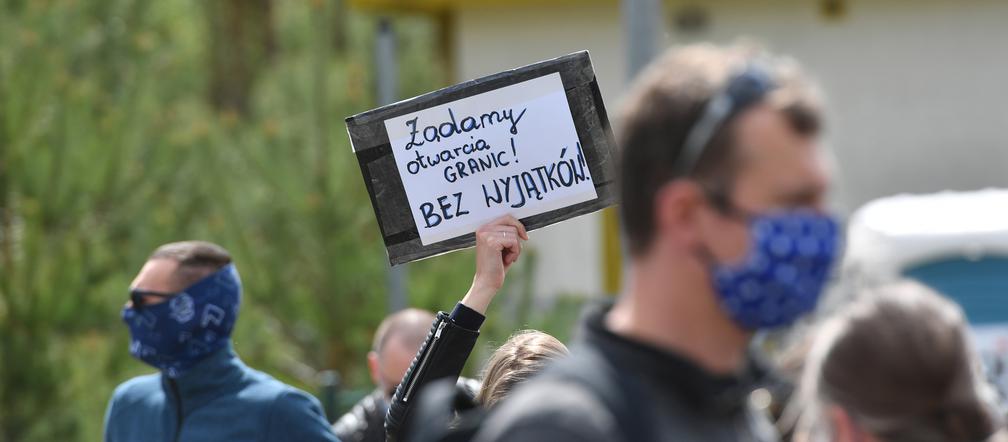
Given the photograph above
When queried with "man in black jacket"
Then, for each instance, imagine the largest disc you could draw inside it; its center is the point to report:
(395, 342)
(722, 193)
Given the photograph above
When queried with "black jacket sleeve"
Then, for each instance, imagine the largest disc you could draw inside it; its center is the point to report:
(443, 355)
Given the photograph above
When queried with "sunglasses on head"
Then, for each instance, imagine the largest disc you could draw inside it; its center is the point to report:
(743, 90)
(137, 297)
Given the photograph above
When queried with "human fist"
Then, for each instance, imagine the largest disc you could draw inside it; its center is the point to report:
(498, 245)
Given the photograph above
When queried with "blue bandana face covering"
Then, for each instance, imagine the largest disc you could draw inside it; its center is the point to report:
(790, 258)
(176, 334)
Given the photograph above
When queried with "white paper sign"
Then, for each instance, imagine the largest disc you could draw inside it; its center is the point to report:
(512, 150)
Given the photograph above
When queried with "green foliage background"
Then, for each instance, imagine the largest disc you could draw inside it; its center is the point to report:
(110, 144)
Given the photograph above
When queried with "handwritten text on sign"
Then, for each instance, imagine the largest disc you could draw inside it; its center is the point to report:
(512, 150)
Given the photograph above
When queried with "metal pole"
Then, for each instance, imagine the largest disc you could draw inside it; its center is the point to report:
(388, 79)
(329, 389)
(642, 21)
(642, 24)
(385, 59)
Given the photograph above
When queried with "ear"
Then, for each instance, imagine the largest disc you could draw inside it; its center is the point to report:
(676, 209)
(372, 362)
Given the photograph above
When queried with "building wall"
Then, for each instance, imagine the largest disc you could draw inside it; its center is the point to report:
(917, 92)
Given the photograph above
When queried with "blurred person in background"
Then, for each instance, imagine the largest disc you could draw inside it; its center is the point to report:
(723, 205)
(183, 306)
(396, 340)
(442, 414)
(426, 403)
(896, 366)
(524, 355)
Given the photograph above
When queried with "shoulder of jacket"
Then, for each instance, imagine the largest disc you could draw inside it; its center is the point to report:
(357, 421)
(296, 415)
(288, 397)
(137, 389)
(133, 398)
(554, 406)
(366, 406)
(264, 389)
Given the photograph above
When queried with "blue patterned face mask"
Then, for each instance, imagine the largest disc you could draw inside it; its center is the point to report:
(176, 334)
(790, 258)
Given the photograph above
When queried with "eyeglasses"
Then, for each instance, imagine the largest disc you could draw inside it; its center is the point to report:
(743, 90)
(137, 296)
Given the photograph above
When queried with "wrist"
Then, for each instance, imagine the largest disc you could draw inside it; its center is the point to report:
(478, 297)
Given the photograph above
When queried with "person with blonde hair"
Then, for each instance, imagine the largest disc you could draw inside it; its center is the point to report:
(525, 354)
(895, 366)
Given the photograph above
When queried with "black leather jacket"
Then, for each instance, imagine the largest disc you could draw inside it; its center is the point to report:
(613, 388)
(365, 422)
(443, 355)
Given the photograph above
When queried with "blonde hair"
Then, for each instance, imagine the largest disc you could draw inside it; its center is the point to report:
(522, 356)
(899, 363)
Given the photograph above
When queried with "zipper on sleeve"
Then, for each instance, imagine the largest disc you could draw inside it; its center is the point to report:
(423, 363)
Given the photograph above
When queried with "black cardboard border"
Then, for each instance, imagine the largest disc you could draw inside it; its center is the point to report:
(384, 185)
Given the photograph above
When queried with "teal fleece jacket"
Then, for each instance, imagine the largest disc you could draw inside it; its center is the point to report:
(219, 399)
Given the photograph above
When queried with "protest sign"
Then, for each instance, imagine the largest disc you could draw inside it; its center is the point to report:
(533, 142)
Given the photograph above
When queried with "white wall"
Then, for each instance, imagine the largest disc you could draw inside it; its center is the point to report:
(918, 91)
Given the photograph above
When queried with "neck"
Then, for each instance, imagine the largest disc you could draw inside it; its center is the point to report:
(671, 305)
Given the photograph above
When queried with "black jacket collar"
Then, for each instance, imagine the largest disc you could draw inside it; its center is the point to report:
(674, 374)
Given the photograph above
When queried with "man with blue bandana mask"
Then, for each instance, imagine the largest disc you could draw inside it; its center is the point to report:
(723, 205)
(182, 308)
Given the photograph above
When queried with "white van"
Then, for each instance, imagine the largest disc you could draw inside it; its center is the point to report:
(955, 242)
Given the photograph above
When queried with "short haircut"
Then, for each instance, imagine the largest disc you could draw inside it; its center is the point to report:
(409, 327)
(525, 354)
(664, 103)
(196, 259)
